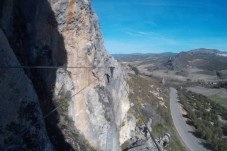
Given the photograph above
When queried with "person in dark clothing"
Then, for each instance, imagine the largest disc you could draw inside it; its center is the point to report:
(111, 71)
(108, 77)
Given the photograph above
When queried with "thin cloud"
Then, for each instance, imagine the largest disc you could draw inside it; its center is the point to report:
(151, 36)
(143, 33)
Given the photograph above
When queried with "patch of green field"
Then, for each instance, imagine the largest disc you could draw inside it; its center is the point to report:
(207, 72)
(216, 98)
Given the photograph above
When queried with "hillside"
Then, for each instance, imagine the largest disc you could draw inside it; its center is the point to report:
(206, 59)
(194, 65)
(200, 79)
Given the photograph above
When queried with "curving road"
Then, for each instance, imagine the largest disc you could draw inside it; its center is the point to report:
(183, 129)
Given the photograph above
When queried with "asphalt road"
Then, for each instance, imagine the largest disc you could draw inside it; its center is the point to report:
(183, 129)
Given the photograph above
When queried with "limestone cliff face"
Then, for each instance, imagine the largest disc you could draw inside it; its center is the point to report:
(100, 109)
(66, 33)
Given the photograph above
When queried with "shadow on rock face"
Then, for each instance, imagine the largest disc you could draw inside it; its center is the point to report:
(32, 31)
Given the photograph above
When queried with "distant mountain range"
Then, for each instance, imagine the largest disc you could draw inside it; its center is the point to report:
(209, 61)
(205, 51)
(210, 55)
(168, 54)
(139, 56)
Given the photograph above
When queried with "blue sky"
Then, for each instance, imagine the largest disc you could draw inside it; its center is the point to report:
(153, 26)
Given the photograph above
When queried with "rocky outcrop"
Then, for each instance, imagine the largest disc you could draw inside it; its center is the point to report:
(66, 33)
(142, 141)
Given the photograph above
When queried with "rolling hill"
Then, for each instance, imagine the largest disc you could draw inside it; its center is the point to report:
(197, 64)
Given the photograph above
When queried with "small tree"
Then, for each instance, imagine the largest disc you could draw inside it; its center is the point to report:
(134, 69)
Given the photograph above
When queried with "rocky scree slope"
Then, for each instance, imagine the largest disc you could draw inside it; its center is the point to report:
(61, 33)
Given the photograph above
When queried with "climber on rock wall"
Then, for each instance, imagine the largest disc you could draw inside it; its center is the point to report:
(112, 71)
(108, 77)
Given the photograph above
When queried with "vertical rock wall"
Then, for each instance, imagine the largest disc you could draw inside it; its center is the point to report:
(67, 33)
(100, 109)
(21, 123)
